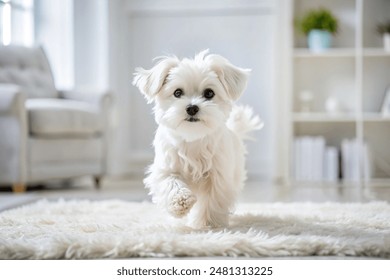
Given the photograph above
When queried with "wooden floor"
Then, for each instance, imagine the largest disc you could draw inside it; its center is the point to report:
(132, 190)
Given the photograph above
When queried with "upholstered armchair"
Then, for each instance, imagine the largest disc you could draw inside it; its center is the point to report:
(45, 133)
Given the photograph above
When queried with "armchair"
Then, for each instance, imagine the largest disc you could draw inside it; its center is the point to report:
(45, 133)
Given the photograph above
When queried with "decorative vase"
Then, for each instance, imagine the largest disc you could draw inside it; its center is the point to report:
(332, 105)
(319, 40)
(386, 42)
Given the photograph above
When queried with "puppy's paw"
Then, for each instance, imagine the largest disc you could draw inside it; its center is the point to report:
(181, 202)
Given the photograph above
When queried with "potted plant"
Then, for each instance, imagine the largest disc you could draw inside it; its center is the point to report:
(384, 30)
(318, 25)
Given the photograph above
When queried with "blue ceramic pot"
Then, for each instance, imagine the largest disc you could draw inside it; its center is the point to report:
(319, 40)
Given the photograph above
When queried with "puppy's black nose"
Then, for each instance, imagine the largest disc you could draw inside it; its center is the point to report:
(192, 110)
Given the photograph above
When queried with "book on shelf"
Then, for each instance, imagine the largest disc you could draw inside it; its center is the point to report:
(309, 155)
(315, 161)
(356, 160)
(331, 164)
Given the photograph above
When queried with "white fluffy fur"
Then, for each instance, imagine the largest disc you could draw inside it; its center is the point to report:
(198, 166)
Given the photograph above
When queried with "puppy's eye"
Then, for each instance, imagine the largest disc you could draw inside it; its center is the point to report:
(178, 93)
(208, 93)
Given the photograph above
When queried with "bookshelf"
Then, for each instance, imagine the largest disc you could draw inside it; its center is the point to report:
(347, 85)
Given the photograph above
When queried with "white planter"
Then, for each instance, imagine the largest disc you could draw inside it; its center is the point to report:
(319, 40)
(386, 42)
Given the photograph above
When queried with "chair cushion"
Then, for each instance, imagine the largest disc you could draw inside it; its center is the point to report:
(29, 69)
(61, 117)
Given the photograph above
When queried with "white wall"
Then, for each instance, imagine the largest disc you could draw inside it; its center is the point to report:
(54, 31)
(119, 83)
(75, 36)
(91, 43)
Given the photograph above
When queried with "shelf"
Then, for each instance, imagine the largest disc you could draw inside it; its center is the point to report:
(374, 182)
(340, 52)
(375, 52)
(356, 71)
(375, 117)
(323, 117)
(329, 118)
(325, 184)
(378, 182)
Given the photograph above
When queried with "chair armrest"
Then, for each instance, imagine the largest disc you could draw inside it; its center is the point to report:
(12, 99)
(101, 98)
(13, 140)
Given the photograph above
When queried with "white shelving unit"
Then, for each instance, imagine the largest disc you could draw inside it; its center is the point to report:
(356, 72)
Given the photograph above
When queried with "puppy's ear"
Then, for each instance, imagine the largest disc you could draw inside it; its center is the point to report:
(234, 79)
(149, 82)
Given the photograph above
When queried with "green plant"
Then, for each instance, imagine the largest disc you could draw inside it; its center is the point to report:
(320, 18)
(383, 28)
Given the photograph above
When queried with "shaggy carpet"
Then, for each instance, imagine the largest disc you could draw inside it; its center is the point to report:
(81, 229)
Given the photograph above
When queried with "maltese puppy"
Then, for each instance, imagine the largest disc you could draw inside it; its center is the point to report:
(198, 167)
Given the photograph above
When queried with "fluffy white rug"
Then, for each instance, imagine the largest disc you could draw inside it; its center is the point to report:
(120, 229)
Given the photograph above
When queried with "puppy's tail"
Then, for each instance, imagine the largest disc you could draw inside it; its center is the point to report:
(242, 121)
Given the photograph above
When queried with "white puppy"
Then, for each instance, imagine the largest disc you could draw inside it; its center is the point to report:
(198, 167)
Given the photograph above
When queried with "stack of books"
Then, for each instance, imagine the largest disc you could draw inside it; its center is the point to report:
(315, 161)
